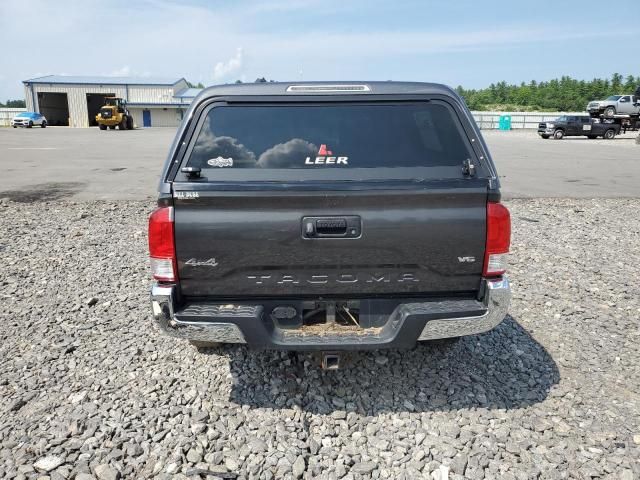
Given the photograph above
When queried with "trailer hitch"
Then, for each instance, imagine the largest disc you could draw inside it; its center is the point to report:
(330, 361)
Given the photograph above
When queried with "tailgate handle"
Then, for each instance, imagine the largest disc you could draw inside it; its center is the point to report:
(331, 227)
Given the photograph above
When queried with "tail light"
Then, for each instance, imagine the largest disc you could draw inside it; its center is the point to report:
(162, 248)
(498, 239)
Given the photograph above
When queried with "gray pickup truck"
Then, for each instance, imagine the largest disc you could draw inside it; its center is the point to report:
(328, 217)
(615, 105)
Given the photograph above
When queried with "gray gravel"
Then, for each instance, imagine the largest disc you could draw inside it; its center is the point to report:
(89, 389)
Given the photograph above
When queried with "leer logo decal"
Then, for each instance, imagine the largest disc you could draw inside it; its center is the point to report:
(326, 157)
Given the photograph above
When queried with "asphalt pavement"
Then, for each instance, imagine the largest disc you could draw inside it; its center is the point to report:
(89, 164)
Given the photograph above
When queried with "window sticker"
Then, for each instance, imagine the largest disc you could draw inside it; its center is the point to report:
(220, 162)
(326, 157)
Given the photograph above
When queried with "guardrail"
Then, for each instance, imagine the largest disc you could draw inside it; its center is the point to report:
(6, 114)
(485, 120)
(519, 120)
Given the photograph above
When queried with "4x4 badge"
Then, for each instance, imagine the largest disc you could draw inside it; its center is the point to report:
(194, 262)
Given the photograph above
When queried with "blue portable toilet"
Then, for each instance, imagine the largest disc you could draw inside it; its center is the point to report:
(505, 122)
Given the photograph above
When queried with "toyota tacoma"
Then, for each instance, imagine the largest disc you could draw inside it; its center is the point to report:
(326, 217)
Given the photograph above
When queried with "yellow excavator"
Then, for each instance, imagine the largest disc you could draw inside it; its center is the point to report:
(114, 113)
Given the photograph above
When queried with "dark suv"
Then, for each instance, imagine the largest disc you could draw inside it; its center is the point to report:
(328, 216)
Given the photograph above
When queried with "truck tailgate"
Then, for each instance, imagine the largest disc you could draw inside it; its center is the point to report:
(420, 240)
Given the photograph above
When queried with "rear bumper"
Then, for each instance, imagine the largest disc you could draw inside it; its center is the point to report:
(408, 323)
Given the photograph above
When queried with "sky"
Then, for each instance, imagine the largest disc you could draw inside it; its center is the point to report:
(456, 42)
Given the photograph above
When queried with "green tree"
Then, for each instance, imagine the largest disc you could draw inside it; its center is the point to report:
(14, 104)
(616, 81)
(558, 94)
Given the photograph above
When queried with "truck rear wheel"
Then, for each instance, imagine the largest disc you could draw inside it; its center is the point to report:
(102, 127)
(609, 134)
(558, 134)
(129, 123)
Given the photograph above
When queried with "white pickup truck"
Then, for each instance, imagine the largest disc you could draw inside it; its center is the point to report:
(615, 105)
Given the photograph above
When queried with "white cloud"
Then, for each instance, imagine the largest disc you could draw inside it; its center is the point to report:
(283, 39)
(284, 6)
(124, 71)
(223, 70)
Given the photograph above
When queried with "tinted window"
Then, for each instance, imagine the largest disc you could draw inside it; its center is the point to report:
(330, 136)
(585, 119)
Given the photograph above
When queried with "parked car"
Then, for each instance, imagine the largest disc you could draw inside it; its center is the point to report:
(578, 125)
(328, 217)
(615, 105)
(28, 119)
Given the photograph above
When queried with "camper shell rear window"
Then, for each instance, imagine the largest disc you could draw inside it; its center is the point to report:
(414, 139)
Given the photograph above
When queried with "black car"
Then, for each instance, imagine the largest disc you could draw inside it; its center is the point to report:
(578, 125)
(328, 217)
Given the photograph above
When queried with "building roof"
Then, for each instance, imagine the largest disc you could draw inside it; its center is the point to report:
(105, 80)
(188, 93)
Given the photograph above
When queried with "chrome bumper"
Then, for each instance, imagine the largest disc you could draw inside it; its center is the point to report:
(497, 299)
(162, 304)
(497, 295)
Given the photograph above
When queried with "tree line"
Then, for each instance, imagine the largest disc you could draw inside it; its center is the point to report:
(563, 94)
(13, 104)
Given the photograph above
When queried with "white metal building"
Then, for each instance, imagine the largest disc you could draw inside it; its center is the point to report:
(74, 101)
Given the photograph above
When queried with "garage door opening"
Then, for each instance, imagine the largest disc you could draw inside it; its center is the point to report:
(94, 102)
(55, 107)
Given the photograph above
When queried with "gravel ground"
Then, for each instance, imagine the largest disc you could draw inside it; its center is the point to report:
(90, 389)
